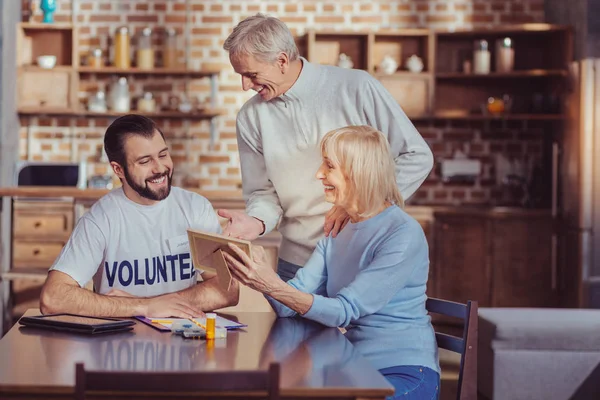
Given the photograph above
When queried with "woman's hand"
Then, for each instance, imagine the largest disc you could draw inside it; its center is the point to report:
(255, 273)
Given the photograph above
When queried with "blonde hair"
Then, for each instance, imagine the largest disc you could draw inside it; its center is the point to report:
(262, 37)
(363, 154)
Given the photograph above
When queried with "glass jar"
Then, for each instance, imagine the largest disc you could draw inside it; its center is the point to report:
(170, 49)
(97, 102)
(122, 48)
(119, 96)
(145, 52)
(95, 60)
(146, 103)
(505, 55)
(481, 57)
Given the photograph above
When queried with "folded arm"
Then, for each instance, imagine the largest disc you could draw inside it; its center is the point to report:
(62, 294)
(209, 295)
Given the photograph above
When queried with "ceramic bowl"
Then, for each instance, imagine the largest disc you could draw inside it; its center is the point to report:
(46, 62)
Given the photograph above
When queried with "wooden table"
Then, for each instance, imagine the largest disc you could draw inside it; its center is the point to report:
(316, 362)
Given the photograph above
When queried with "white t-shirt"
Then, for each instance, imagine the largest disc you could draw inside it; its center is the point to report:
(142, 250)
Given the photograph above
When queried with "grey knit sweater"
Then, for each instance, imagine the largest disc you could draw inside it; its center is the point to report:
(279, 149)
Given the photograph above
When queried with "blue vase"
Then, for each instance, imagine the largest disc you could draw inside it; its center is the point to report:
(48, 7)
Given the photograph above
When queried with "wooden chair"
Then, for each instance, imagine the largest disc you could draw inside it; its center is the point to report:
(218, 384)
(466, 345)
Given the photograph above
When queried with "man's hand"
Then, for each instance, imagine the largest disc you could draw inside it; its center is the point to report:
(335, 220)
(240, 225)
(172, 305)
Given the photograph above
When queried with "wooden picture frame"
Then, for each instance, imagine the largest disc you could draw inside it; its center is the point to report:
(207, 253)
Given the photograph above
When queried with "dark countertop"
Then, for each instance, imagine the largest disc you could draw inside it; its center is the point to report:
(234, 199)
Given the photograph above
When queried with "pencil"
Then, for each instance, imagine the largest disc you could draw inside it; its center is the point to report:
(198, 323)
(161, 321)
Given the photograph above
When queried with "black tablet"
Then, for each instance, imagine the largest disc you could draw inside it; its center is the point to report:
(77, 323)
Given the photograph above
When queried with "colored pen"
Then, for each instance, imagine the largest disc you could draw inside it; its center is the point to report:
(198, 323)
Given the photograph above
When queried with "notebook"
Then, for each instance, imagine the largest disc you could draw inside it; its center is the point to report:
(77, 323)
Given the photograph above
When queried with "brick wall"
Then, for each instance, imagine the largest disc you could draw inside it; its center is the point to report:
(211, 22)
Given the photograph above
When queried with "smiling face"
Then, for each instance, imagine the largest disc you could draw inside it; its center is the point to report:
(335, 183)
(267, 79)
(148, 169)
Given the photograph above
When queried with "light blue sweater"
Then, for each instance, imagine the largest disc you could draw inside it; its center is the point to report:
(371, 279)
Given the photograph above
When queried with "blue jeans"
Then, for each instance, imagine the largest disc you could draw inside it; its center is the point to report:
(286, 270)
(413, 382)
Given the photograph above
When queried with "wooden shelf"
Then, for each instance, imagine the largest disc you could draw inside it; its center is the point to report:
(154, 71)
(205, 114)
(37, 68)
(403, 74)
(481, 117)
(46, 27)
(403, 32)
(513, 74)
(519, 29)
(25, 273)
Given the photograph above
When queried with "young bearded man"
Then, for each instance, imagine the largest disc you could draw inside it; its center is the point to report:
(133, 241)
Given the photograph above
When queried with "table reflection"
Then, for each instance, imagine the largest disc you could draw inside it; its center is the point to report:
(152, 351)
(311, 354)
(313, 357)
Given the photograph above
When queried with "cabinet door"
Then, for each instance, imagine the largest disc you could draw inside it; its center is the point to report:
(522, 262)
(461, 263)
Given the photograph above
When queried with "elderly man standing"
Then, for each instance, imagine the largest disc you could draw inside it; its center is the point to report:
(280, 128)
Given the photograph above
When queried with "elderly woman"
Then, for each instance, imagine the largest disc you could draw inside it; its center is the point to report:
(371, 278)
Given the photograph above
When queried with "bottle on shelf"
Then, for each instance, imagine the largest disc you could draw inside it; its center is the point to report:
(170, 49)
(97, 102)
(147, 103)
(145, 52)
(481, 57)
(122, 48)
(505, 55)
(95, 59)
(120, 100)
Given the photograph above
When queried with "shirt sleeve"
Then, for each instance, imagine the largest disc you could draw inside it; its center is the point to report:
(312, 278)
(84, 252)
(205, 216)
(412, 155)
(374, 286)
(261, 198)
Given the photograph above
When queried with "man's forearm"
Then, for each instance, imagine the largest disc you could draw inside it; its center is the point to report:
(208, 295)
(71, 299)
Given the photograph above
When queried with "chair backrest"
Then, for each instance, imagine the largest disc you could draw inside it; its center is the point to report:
(211, 384)
(466, 345)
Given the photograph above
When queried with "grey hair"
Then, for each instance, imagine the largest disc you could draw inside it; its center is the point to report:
(262, 37)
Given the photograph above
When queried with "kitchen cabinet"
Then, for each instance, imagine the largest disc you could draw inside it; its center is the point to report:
(40, 230)
(524, 272)
(440, 85)
(58, 91)
(499, 260)
(461, 270)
